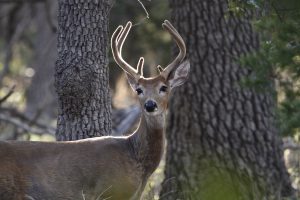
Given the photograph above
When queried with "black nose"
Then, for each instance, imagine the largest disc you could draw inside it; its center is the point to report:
(150, 106)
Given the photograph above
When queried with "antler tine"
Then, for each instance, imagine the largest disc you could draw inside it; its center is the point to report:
(122, 36)
(140, 66)
(180, 43)
(117, 41)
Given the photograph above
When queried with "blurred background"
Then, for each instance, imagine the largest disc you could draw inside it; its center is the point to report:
(28, 53)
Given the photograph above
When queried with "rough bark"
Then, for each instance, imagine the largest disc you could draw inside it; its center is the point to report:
(222, 138)
(81, 73)
(41, 96)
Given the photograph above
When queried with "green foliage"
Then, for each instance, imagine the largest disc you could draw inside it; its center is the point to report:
(278, 57)
(240, 7)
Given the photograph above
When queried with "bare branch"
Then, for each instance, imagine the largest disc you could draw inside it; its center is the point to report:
(21, 121)
(18, 123)
(147, 14)
(9, 93)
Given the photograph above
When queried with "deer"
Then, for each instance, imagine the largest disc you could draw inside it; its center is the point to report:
(107, 167)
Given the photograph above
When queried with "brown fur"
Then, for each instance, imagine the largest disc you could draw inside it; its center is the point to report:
(115, 168)
(67, 170)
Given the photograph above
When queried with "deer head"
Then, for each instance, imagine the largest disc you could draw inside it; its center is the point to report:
(153, 92)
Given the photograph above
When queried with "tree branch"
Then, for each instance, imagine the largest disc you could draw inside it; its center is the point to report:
(9, 93)
(21, 121)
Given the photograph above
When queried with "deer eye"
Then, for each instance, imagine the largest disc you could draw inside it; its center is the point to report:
(139, 91)
(163, 88)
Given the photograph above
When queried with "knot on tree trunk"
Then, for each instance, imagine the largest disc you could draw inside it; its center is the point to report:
(76, 80)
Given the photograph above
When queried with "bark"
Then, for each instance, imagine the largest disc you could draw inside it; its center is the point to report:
(81, 73)
(222, 138)
(41, 96)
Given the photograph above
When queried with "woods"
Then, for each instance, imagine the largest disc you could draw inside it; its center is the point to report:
(231, 130)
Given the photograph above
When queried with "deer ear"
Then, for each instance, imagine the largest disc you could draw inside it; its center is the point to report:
(179, 75)
(132, 82)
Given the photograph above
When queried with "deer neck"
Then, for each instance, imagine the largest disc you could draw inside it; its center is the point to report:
(148, 142)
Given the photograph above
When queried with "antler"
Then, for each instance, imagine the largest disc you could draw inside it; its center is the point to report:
(180, 43)
(117, 41)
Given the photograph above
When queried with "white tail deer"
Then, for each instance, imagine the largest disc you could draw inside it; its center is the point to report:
(115, 168)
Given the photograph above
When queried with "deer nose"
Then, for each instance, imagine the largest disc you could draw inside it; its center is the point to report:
(150, 106)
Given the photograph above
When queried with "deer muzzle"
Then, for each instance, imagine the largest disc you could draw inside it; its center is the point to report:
(150, 106)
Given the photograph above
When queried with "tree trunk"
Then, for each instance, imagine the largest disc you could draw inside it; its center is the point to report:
(81, 73)
(223, 142)
(40, 96)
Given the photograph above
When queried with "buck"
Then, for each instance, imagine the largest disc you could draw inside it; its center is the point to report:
(115, 168)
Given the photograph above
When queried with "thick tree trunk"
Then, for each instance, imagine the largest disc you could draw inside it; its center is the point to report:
(81, 74)
(222, 139)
